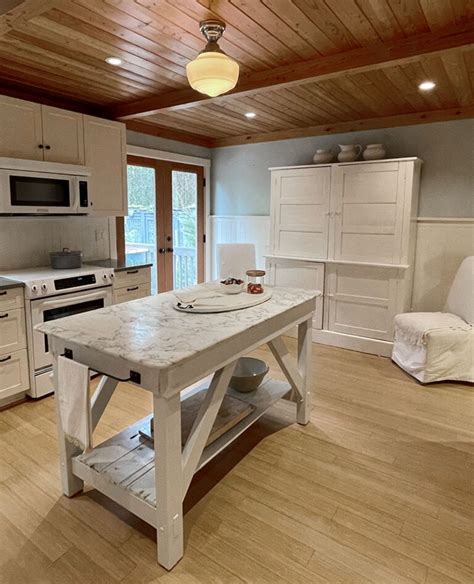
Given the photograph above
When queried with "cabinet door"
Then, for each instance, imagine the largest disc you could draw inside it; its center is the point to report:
(12, 331)
(361, 300)
(367, 204)
(63, 136)
(106, 155)
(20, 129)
(300, 274)
(300, 206)
(13, 373)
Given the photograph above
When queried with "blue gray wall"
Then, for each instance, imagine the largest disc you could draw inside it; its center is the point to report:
(241, 181)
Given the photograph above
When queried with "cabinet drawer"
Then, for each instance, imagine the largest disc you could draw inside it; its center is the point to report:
(132, 293)
(13, 373)
(132, 277)
(10, 299)
(12, 331)
(300, 274)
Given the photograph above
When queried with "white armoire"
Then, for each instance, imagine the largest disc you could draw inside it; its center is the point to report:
(348, 230)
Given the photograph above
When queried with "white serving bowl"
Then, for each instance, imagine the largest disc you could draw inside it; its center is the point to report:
(248, 374)
(231, 288)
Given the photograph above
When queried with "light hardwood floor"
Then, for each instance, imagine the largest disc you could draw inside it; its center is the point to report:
(376, 489)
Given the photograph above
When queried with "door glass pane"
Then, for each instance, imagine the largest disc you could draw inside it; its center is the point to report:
(185, 198)
(140, 225)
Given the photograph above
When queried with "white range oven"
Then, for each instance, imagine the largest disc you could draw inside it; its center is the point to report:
(52, 294)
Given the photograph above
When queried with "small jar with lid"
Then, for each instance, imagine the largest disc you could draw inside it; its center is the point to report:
(255, 281)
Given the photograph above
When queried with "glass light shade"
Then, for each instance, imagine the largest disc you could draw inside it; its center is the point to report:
(212, 73)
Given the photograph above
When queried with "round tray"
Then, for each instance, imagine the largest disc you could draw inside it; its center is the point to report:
(230, 302)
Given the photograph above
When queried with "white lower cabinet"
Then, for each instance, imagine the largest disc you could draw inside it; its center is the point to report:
(14, 377)
(361, 300)
(12, 331)
(131, 293)
(300, 274)
(132, 284)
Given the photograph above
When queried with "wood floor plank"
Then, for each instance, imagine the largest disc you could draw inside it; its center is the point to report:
(377, 489)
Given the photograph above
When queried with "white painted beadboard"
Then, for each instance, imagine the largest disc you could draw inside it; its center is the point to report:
(240, 229)
(25, 242)
(441, 246)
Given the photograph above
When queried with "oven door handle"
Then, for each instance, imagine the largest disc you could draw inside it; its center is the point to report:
(76, 300)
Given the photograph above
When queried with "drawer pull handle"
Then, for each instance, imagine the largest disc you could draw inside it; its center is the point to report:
(3, 293)
(132, 289)
(4, 315)
(133, 272)
(5, 359)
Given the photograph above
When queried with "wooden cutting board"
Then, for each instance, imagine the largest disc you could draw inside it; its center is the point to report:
(232, 411)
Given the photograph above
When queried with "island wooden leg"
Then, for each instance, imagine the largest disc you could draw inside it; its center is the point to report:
(168, 479)
(67, 450)
(305, 341)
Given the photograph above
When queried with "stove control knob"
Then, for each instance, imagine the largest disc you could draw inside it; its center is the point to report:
(34, 288)
(44, 288)
(112, 276)
(105, 277)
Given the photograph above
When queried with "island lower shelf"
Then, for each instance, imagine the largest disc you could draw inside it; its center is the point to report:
(123, 467)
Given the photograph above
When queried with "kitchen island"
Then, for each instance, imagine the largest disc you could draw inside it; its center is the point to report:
(150, 344)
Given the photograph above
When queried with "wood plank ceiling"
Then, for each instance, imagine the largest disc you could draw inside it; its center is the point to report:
(307, 66)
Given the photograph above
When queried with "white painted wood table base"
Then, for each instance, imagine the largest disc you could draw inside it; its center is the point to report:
(166, 351)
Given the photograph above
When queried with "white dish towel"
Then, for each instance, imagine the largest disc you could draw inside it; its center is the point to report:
(74, 402)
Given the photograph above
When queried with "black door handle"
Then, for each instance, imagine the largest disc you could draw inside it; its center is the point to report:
(169, 249)
(162, 250)
(4, 315)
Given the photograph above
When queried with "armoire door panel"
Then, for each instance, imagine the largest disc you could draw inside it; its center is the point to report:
(361, 300)
(367, 201)
(300, 207)
(366, 247)
(302, 244)
(300, 274)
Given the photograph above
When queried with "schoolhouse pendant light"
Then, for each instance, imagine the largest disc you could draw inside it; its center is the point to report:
(212, 72)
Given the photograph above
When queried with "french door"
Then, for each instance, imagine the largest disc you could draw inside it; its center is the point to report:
(165, 224)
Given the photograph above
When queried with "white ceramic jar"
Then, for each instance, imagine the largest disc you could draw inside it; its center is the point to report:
(349, 152)
(322, 156)
(374, 152)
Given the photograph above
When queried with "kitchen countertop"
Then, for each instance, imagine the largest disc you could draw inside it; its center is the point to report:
(9, 283)
(152, 333)
(118, 265)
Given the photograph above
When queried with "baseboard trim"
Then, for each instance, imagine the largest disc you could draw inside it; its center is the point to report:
(361, 344)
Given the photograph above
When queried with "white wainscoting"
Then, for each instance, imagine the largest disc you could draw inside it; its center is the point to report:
(240, 229)
(441, 245)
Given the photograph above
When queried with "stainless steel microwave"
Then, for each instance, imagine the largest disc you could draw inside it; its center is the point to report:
(39, 188)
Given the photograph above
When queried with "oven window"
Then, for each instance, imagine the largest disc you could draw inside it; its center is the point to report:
(55, 313)
(29, 191)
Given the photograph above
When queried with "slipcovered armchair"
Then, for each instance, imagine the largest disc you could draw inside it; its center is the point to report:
(437, 346)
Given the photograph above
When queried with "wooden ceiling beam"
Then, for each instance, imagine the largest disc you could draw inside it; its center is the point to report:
(361, 59)
(394, 121)
(169, 133)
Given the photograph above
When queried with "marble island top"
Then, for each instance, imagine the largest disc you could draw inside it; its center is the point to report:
(151, 333)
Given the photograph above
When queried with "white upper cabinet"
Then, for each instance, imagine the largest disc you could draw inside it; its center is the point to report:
(106, 156)
(367, 205)
(20, 129)
(300, 207)
(63, 135)
(40, 132)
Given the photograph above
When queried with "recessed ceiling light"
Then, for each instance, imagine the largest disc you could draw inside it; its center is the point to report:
(113, 61)
(250, 114)
(427, 85)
